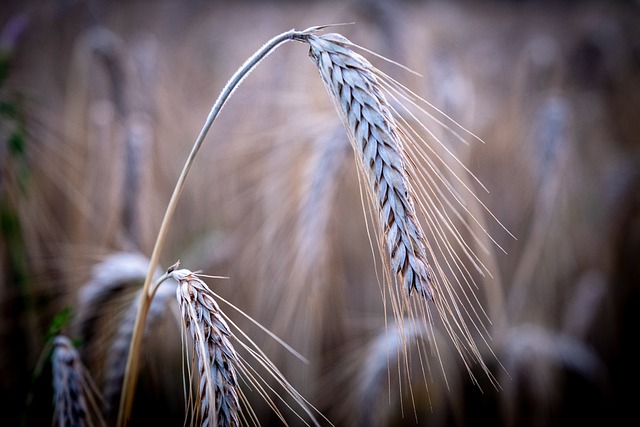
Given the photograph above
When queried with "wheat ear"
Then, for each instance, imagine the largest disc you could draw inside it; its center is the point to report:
(386, 147)
(216, 356)
(74, 395)
(220, 366)
(373, 132)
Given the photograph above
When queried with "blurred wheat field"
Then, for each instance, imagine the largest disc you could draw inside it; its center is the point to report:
(103, 100)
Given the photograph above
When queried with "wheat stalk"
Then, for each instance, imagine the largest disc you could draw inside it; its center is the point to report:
(115, 360)
(115, 280)
(74, 396)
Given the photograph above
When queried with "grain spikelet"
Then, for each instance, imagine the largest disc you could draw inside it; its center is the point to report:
(74, 395)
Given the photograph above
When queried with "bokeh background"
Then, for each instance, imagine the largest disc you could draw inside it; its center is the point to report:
(100, 102)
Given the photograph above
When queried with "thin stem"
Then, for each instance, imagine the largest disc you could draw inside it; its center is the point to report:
(131, 372)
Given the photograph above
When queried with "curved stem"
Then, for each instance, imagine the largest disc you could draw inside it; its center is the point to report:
(131, 372)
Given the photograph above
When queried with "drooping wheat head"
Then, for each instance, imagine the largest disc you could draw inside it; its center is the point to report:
(409, 184)
(376, 141)
(401, 342)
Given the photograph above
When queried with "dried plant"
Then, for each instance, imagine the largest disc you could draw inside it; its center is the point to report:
(147, 293)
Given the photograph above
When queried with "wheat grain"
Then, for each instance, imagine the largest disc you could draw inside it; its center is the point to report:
(378, 142)
(74, 398)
